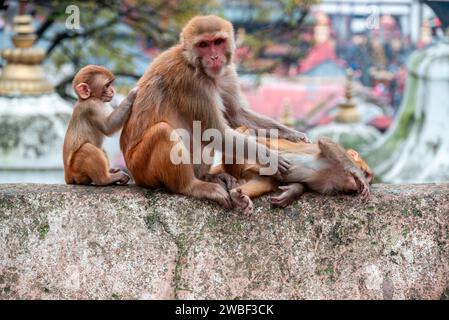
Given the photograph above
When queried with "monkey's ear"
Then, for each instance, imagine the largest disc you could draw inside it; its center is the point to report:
(83, 90)
(354, 154)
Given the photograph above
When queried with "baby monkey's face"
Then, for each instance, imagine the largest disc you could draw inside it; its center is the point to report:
(349, 184)
(108, 92)
(361, 163)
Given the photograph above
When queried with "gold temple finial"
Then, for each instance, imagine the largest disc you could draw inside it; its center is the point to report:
(23, 73)
(348, 112)
(287, 116)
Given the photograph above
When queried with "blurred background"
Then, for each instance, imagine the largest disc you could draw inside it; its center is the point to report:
(372, 75)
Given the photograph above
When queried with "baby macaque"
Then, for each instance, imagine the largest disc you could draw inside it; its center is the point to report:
(85, 162)
(324, 167)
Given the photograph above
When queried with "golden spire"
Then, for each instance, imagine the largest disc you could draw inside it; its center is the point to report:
(287, 117)
(23, 73)
(347, 110)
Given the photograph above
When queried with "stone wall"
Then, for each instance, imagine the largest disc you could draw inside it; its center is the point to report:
(66, 242)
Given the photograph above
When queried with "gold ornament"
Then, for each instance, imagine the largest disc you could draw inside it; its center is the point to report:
(287, 118)
(23, 73)
(348, 112)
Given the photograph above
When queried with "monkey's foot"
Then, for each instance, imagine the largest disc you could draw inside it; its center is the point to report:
(114, 170)
(242, 200)
(224, 179)
(123, 179)
(221, 196)
(290, 193)
(296, 136)
(212, 191)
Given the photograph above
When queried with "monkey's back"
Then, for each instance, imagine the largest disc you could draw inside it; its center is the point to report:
(154, 90)
(80, 131)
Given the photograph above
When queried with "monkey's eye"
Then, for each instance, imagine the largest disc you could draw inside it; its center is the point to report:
(203, 44)
(219, 41)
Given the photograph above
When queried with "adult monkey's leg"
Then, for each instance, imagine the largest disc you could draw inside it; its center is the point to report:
(151, 165)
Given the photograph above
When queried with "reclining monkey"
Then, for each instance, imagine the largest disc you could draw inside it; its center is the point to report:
(324, 167)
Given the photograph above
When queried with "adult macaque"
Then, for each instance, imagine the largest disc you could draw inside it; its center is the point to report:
(193, 81)
(324, 167)
(85, 162)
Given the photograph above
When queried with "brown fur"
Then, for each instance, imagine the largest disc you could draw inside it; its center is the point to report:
(332, 170)
(176, 90)
(84, 160)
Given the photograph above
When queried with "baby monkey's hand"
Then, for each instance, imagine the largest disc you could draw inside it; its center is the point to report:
(132, 94)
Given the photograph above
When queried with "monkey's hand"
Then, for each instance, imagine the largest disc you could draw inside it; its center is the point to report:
(362, 183)
(224, 179)
(283, 163)
(132, 95)
(289, 194)
(296, 136)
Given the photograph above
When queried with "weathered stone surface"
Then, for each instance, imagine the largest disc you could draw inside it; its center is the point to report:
(80, 242)
(125, 242)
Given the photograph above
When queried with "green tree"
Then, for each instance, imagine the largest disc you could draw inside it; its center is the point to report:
(277, 22)
(110, 30)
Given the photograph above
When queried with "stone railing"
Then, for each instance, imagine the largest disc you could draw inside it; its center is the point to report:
(124, 242)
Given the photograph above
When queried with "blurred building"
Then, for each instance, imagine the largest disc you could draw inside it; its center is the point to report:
(348, 16)
(358, 16)
(33, 117)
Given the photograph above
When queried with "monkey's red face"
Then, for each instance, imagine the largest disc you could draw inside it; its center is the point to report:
(212, 52)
